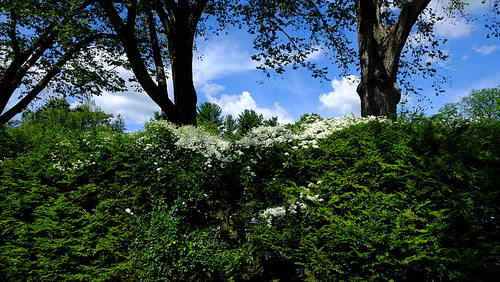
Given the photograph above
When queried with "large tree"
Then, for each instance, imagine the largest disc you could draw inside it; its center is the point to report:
(383, 28)
(44, 40)
(156, 35)
(380, 43)
(481, 104)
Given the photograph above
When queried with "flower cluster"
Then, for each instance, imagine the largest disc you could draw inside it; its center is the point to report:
(63, 158)
(266, 136)
(310, 131)
(292, 206)
(215, 147)
(322, 128)
(196, 139)
(71, 166)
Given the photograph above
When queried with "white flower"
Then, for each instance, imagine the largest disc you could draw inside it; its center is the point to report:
(266, 136)
(274, 212)
(129, 211)
(314, 198)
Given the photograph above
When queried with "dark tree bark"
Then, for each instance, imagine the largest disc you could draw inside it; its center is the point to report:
(125, 29)
(380, 48)
(179, 20)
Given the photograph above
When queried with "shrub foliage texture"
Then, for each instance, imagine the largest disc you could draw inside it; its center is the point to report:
(321, 200)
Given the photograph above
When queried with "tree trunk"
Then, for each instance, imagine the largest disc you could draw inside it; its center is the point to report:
(179, 19)
(380, 48)
(182, 74)
(378, 89)
(181, 31)
(5, 95)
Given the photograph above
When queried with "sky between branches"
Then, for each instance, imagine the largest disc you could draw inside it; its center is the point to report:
(225, 74)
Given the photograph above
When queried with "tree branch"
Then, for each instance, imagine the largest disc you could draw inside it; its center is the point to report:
(127, 36)
(42, 84)
(156, 50)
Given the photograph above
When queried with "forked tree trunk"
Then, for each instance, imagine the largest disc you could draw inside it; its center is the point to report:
(380, 48)
(180, 27)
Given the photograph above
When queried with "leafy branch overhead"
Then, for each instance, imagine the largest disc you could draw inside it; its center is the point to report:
(42, 41)
(394, 41)
(75, 49)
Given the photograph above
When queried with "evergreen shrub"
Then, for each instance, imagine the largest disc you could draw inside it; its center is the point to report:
(322, 200)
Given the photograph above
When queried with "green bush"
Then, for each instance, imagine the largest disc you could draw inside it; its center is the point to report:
(322, 200)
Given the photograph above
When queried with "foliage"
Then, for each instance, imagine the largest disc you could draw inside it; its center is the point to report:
(481, 104)
(211, 119)
(395, 39)
(209, 115)
(58, 115)
(321, 200)
(45, 45)
(249, 119)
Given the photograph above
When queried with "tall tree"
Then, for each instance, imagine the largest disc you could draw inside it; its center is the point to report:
(481, 104)
(380, 43)
(167, 30)
(383, 29)
(42, 40)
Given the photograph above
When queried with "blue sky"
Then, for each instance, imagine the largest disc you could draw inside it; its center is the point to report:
(227, 76)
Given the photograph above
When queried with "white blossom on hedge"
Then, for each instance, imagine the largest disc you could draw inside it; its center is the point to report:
(197, 139)
(266, 136)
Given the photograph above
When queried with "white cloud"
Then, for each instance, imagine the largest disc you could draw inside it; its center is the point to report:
(236, 104)
(454, 25)
(211, 89)
(485, 49)
(453, 28)
(343, 100)
(221, 58)
(136, 108)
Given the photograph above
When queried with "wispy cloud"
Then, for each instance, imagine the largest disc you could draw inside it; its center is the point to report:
(221, 58)
(343, 100)
(135, 108)
(485, 49)
(453, 28)
(455, 24)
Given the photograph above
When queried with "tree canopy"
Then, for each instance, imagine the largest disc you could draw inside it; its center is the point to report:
(44, 40)
(478, 105)
(385, 58)
(387, 43)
